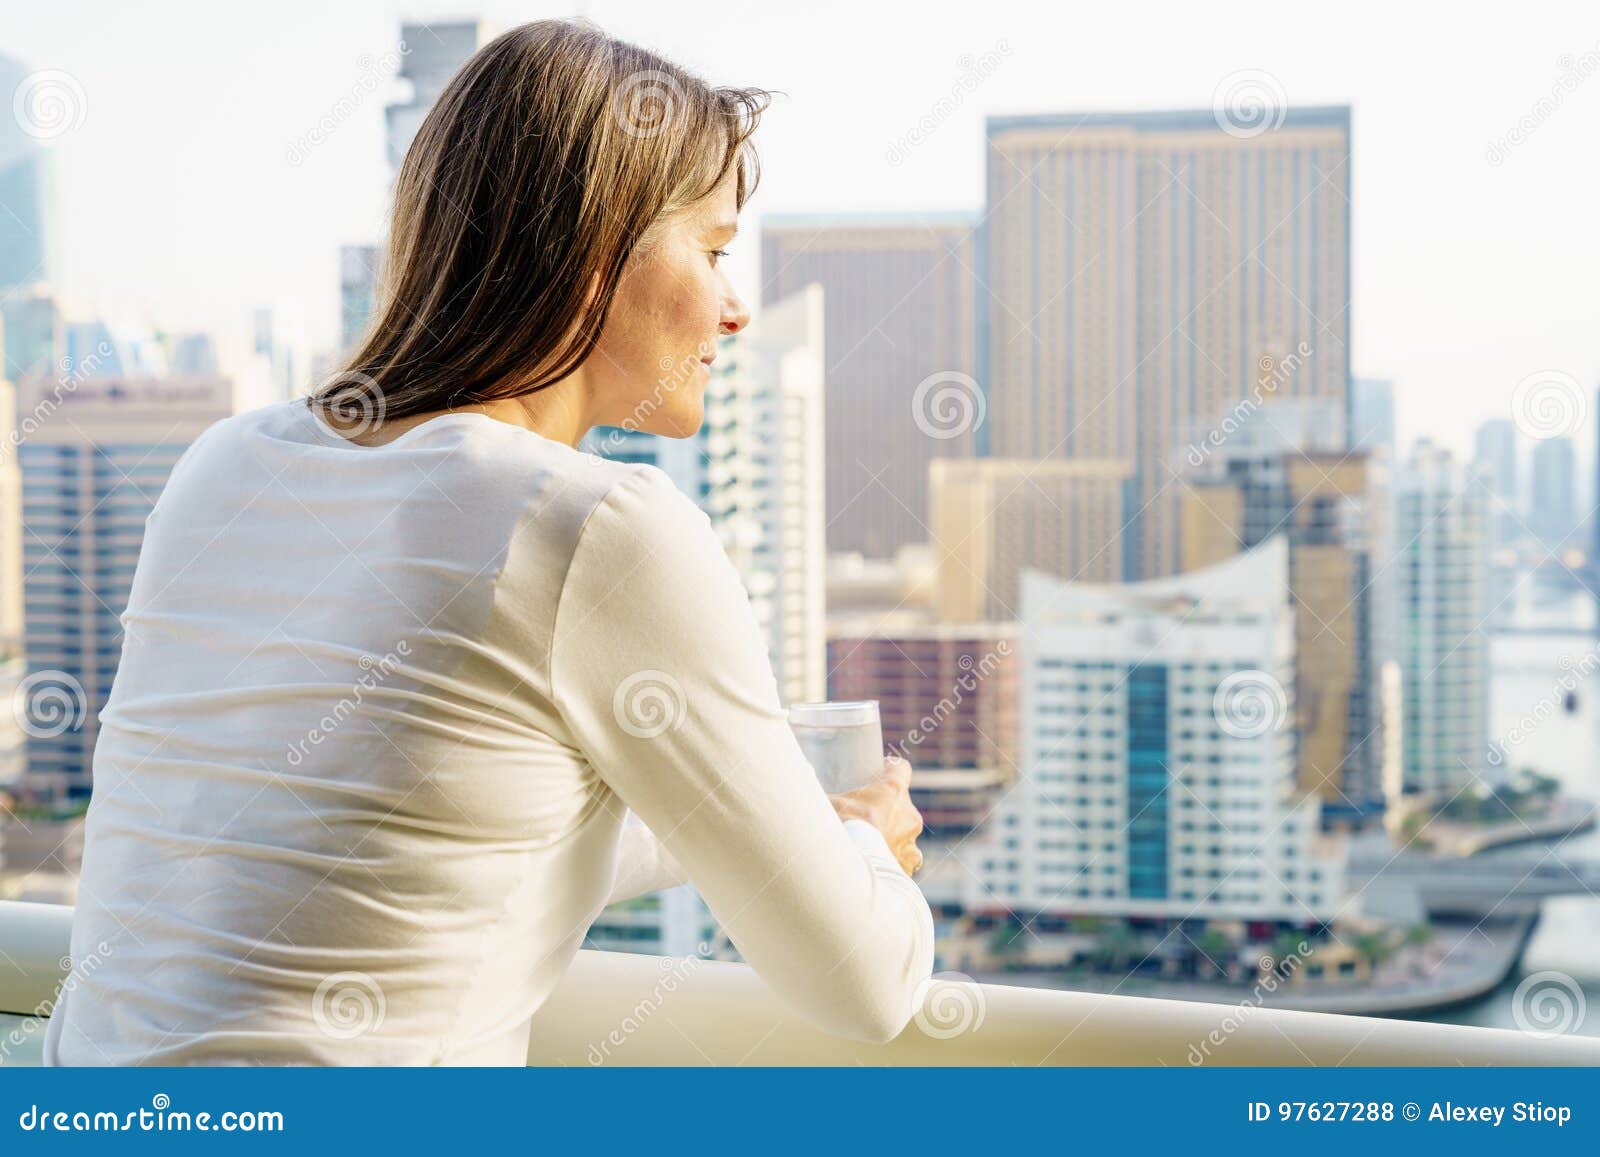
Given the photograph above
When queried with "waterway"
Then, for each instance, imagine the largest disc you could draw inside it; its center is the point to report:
(1551, 637)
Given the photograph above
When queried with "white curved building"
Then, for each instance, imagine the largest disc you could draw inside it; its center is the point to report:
(1158, 755)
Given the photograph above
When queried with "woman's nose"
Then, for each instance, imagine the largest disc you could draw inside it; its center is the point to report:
(735, 314)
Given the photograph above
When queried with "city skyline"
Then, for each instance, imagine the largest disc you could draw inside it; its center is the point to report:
(1455, 343)
(1113, 410)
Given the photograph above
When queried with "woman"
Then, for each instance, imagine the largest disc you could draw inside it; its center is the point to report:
(400, 658)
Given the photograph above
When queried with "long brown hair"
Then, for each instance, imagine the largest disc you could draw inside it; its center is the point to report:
(549, 160)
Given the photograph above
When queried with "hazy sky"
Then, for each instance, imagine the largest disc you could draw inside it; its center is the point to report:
(182, 205)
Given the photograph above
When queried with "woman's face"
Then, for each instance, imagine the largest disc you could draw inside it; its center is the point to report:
(650, 367)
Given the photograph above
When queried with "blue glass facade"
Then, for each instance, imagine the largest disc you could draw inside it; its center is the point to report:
(1147, 781)
(83, 511)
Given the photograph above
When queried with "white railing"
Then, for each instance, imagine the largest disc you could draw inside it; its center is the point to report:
(621, 1008)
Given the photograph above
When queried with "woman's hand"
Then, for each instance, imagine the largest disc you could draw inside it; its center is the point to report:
(887, 806)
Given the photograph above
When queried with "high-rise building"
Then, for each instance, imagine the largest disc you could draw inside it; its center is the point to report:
(1495, 457)
(992, 518)
(269, 375)
(763, 438)
(1286, 472)
(1442, 606)
(358, 280)
(1553, 490)
(13, 663)
(98, 349)
(92, 469)
(900, 334)
(192, 355)
(1158, 755)
(34, 335)
(947, 698)
(431, 52)
(1372, 416)
(1150, 273)
(26, 225)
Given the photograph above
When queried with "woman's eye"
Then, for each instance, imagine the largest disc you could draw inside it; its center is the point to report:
(716, 253)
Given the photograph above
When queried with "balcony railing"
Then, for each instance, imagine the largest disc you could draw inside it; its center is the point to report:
(620, 1008)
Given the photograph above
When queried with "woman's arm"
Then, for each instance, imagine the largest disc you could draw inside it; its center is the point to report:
(643, 865)
(661, 672)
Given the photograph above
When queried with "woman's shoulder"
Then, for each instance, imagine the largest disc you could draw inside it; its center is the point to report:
(641, 504)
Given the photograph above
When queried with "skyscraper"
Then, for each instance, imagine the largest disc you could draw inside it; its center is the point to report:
(1442, 561)
(1372, 416)
(900, 338)
(1495, 456)
(1553, 490)
(993, 518)
(358, 280)
(13, 664)
(1286, 472)
(431, 52)
(26, 238)
(30, 327)
(1150, 272)
(34, 334)
(92, 469)
(763, 433)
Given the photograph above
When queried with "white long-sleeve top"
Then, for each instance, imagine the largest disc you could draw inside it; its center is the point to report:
(361, 782)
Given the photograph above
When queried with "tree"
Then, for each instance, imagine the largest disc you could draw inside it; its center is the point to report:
(1216, 952)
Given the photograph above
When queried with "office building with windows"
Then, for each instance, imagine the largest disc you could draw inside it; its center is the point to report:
(1158, 755)
(1149, 272)
(1442, 560)
(92, 469)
